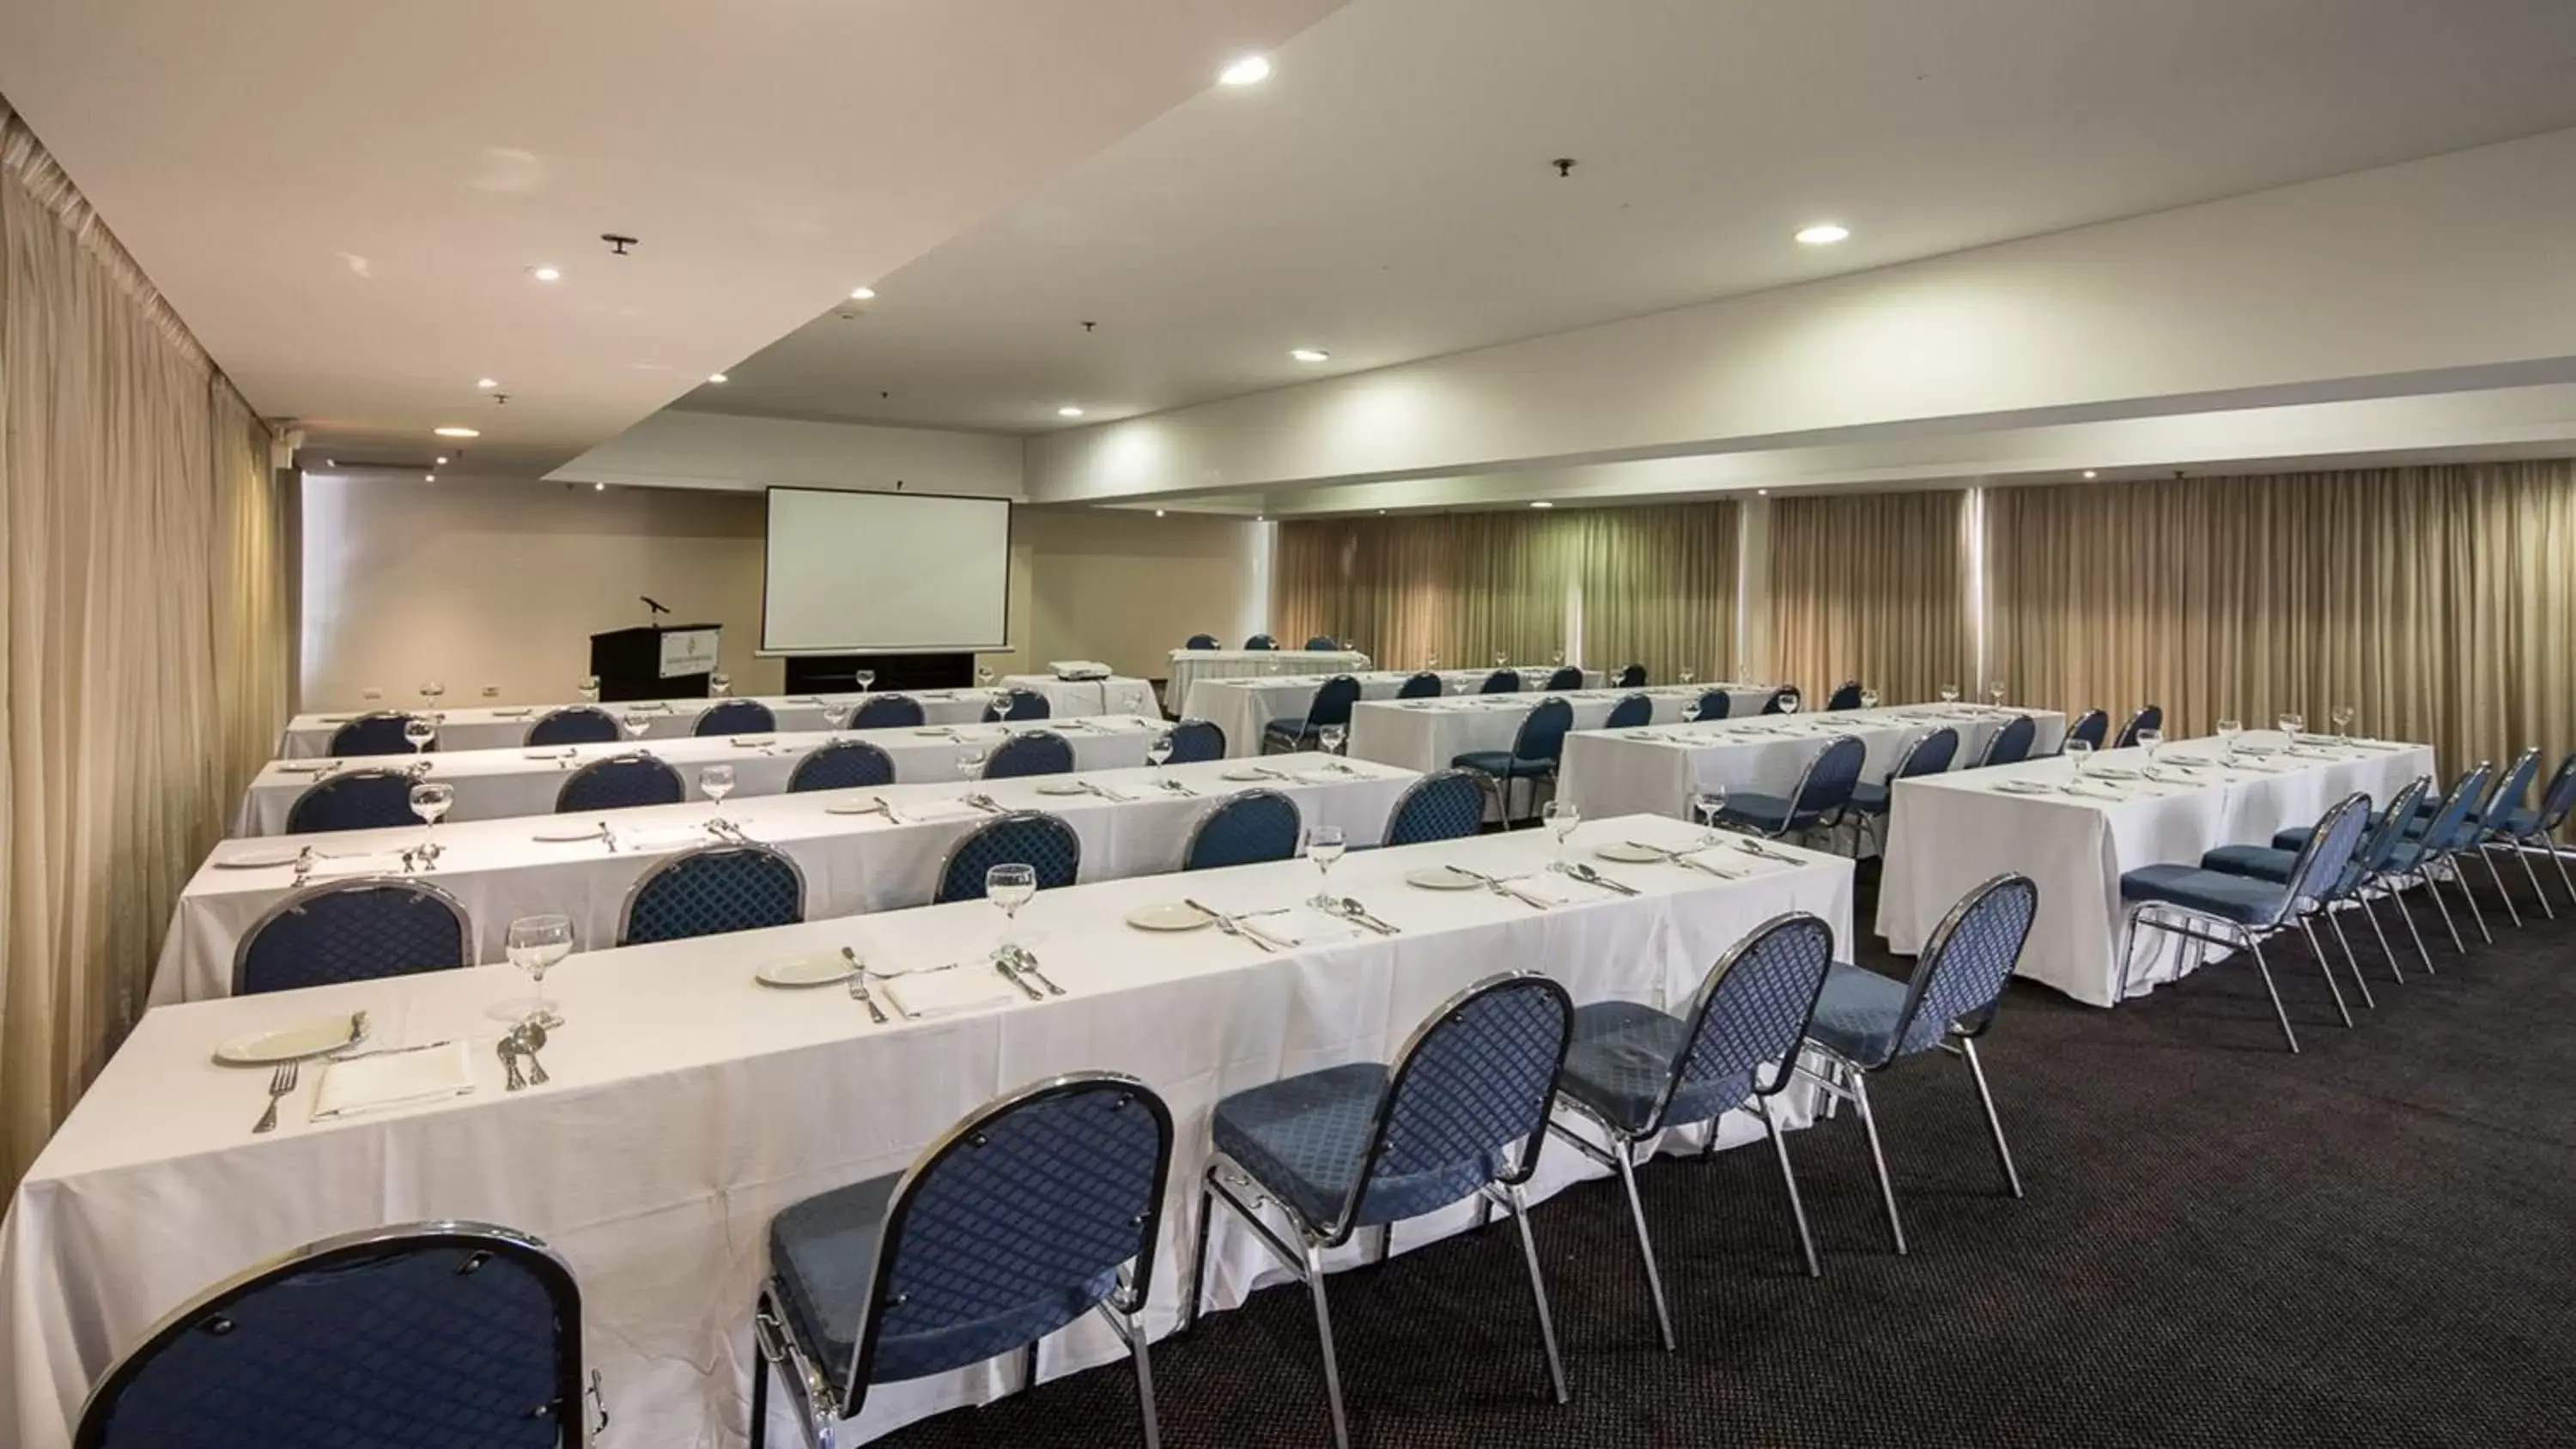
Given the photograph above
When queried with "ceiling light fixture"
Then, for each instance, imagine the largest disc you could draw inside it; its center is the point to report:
(1068, 411)
(598, 487)
(546, 274)
(718, 377)
(441, 460)
(487, 383)
(1761, 492)
(2089, 473)
(863, 294)
(1823, 234)
(429, 477)
(453, 432)
(1541, 503)
(1248, 70)
(1310, 354)
(1158, 513)
(330, 462)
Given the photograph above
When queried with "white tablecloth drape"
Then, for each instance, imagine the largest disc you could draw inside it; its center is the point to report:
(1656, 770)
(1189, 666)
(308, 736)
(1427, 734)
(1950, 832)
(499, 784)
(688, 1106)
(1243, 707)
(498, 870)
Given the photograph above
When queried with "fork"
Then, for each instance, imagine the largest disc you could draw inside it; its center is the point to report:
(1227, 924)
(859, 986)
(280, 1082)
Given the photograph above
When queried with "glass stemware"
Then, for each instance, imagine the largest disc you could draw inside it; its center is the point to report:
(1502, 657)
(1324, 845)
(2291, 725)
(1331, 737)
(970, 760)
(418, 732)
(1431, 663)
(2148, 739)
(2077, 753)
(590, 689)
(1789, 702)
(430, 694)
(535, 944)
(1010, 887)
(1869, 699)
(1995, 693)
(1688, 675)
(2228, 730)
(1157, 751)
(430, 800)
(1561, 817)
(1949, 693)
(867, 679)
(984, 675)
(716, 782)
(1557, 659)
(637, 721)
(1709, 805)
(719, 684)
(1003, 703)
(2343, 717)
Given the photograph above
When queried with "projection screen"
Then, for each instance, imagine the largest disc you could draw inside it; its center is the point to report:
(885, 573)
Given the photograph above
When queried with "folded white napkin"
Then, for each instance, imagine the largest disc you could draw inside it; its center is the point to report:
(393, 1079)
(971, 987)
(667, 837)
(325, 867)
(926, 811)
(1304, 926)
(1558, 890)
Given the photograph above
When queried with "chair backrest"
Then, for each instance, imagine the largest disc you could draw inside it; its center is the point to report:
(358, 800)
(2150, 718)
(1332, 702)
(352, 930)
(1475, 1077)
(2379, 843)
(2560, 798)
(2093, 726)
(1632, 676)
(1542, 731)
(1023, 837)
(712, 890)
(1025, 704)
(1930, 754)
(735, 717)
(1846, 695)
(379, 733)
(620, 782)
(1501, 681)
(1424, 685)
(1324, 643)
(1630, 712)
(2449, 827)
(1255, 826)
(1713, 704)
(1566, 677)
(443, 1333)
(2011, 744)
(1831, 776)
(2510, 790)
(1753, 1008)
(1043, 1196)
(1038, 752)
(579, 724)
(887, 712)
(1443, 805)
(841, 765)
(1261, 641)
(1195, 741)
(1201, 641)
(2319, 872)
(1961, 975)
(1779, 702)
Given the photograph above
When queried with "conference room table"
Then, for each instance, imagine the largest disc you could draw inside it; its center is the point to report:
(492, 727)
(1189, 666)
(1658, 768)
(852, 856)
(1244, 707)
(2076, 838)
(498, 784)
(1426, 734)
(688, 1105)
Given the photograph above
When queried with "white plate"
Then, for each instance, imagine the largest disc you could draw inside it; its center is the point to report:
(287, 1043)
(814, 968)
(1170, 916)
(259, 860)
(2025, 787)
(1244, 776)
(1442, 878)
(308, 767)
(941, 733)
(1062, 787)
(566, 834)
(1632, 854)
(857, 807)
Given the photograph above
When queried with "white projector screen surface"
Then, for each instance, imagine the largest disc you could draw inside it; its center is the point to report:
(885, 573)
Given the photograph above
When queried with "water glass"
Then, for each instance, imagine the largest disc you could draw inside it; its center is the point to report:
(2228, 730)
(536, 943)
(418, 732)
(1995, 692)
(1561, 817)
(719, 684)
(1331, 737)
(1003, 703)
(970, 760)
(2148, 739)
(2077, 752)
(867, 678)
(1502, 657)
(1010, 887)
(1949, 693)
(1689, 675)
(1789, 702)
(1324, 845)
(637, 721)
(2343, 717)
(1709, 804)
(1157, 751)
(984, 675)
(430, 693)
(430, 800)
(1869, 699)
(590, 689)
(716, 782)
(2291, 726)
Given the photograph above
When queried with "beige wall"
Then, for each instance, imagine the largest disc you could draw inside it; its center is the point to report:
(1125, 587)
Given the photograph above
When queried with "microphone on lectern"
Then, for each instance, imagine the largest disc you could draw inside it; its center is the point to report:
(653, 603)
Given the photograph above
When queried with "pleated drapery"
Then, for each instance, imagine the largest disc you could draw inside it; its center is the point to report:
(1873, 587)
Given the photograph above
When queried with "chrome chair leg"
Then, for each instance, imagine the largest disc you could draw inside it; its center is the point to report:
(2265, 969)
(1385, 1242)
(1198, 1261)
(2522, 852)
(1136, 1346)
(758, 1432)
(1519, 1205)
(1622, 1150)
(1788, 1180)
(2433, 888)
(2558, 858)
(1877, 1156)
(2477, 912)
(2309, 929)
(1994, 1124)
(2397, 897)
(2334, 922)
(1029, 1370)
(1324, 1335)
(2513, 912)
(2371, 914)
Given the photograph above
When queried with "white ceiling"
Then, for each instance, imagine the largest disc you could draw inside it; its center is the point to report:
(1386, 195)
(342, 201)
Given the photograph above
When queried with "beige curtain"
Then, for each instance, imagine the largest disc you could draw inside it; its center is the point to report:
(2440, 602)
(1659, 588)
(1874, 587)
(144, 609)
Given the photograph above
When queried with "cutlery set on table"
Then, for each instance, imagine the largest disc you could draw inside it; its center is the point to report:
(353, 1078)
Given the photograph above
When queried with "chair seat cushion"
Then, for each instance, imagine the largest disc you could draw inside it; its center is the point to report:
(2256, 862)
(1753, 808)
(1856, 1014)
(1869, 799)
(1501, 762)
(822, 1255)
(2235, 898)
(1621, 1056)
(2517, 824)
(1302, 1140)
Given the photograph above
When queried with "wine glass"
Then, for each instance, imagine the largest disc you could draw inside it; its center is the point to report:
(418, 731)
(1561, 817)
(1157, 751)
(1689, 675)
(2291, 725)
(2343, 717)
(1010, 887)
(1324, 845)
(716, 782)
(1004, 701)
(590, 689)
(430, 800)
(1331, 737)
(1949, 693)
(1790, 701)
(867, 679)
(1709, 804)
(984, 675)
(1502, 657)
(1995, 693)
(2228, 730)
(838, 715)
(1557, 659)
(2077, 752)
(1869, 699)
(2148, 739)
(970, 760)
(430, 693)
(535, 944)
(1431, 662)
(637, 720)
(719, 684)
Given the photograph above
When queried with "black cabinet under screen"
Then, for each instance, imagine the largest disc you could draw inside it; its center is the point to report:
(837, 673)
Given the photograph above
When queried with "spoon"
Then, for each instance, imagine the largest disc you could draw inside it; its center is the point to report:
(532, 1040)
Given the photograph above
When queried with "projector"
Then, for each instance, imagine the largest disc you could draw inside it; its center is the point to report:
(1078, 668)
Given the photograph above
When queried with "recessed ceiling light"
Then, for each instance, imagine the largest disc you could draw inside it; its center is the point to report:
(1823, 234)
(1761, 492)
(598, 487)
(2089, 473)
(546, 274)
(1247, 70)
(1310, 354)
(863, 294)
(717, 377)
(429, 477)
(330, 462)
(1261, 518)
(1068, 411)
(487, 383)
(441, 460)
(1541, 503)
(1158, 513)
(457, 432)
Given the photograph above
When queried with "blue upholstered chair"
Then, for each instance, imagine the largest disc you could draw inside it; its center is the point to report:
(1535, 750)
(2361, 879)
(1566, 677)
(887, 712)
(1928, 753)
(2009, 745)
(1713, 704)
(1196, 741)
(841, 765)
(444, 1333)
(2502, 804)
(2093, 727)
(2520, 831)
(2214, 908)
(1866, 1022)
(1421, 685)
(1331, 705)
(1040, 1207)
(620, 782)
(1824, 788)
(352, 930)
(1366, 1145)
(1501, 681)
(380, 733)
(357, 800)
(1038, 752)
(710, 891)
(2435, 840)
(2150, 718)
(1632, 676)
(1255, 826)
(1633, 1071)
(1630, 712)
(579, 724)
(1261, 641)
(1443, 805)
(1846, 695)
(1201, 641)
(1323, 644)
(1023, 704)
(1784, 700)
(1024, 837)
(735, 717)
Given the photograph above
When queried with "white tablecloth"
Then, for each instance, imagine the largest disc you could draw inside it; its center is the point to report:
(851, 863)
(1242, 707)
(1189, 666)
(308, 736)
(688, 1106)
(1621, 772)
(1427, 734)
(498, 784)
(1950, 832)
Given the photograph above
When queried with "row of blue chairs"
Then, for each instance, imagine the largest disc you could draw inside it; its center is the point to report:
(381, 733)
(1322, 643)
